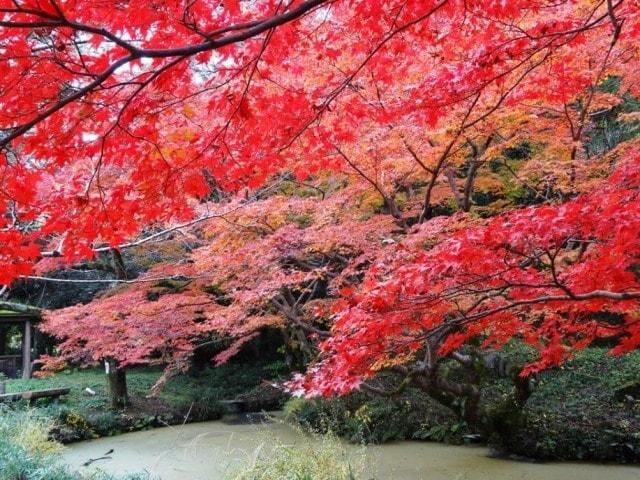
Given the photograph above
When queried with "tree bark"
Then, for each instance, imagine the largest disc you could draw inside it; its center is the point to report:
(117, 382)
(117, 377)
(118, 264)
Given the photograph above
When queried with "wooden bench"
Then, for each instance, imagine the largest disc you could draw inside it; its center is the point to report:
(33, 395)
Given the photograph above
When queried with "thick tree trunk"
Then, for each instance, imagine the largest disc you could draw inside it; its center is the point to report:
(117, 377)
(463, 399)
(117, 383)
(118, 264)
(462, 395)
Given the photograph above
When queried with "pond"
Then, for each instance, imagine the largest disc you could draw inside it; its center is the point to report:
(210, 450)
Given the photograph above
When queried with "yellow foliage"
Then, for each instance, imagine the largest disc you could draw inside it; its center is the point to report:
(30, 432)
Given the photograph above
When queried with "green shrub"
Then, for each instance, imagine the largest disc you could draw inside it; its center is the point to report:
(573, 412)
(316, 458)
(208, 407)
(17, 463)
(106, 423)
(76, 421)
(589, 409)
(206, 387)
(27, 453)
(364, 418)
(28, 431)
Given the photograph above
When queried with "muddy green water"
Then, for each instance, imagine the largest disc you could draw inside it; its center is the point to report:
(209, 451)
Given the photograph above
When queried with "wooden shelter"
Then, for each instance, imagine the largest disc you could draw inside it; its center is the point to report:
(18, 343)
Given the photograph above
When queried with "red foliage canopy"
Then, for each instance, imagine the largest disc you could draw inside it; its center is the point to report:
(234, 285)
(120, 116)
(111, 111)
(556, 276)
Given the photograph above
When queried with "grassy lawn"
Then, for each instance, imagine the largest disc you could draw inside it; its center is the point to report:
(185, 397)
(81, 415)
(222, 383)
(139, 381)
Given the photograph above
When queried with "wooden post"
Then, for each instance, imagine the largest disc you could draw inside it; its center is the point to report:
(3, 338)
(26, 350)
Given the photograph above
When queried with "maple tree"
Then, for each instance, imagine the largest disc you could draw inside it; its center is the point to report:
(121, 121)
(185, 89)
(558, 277)
(268, 264)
